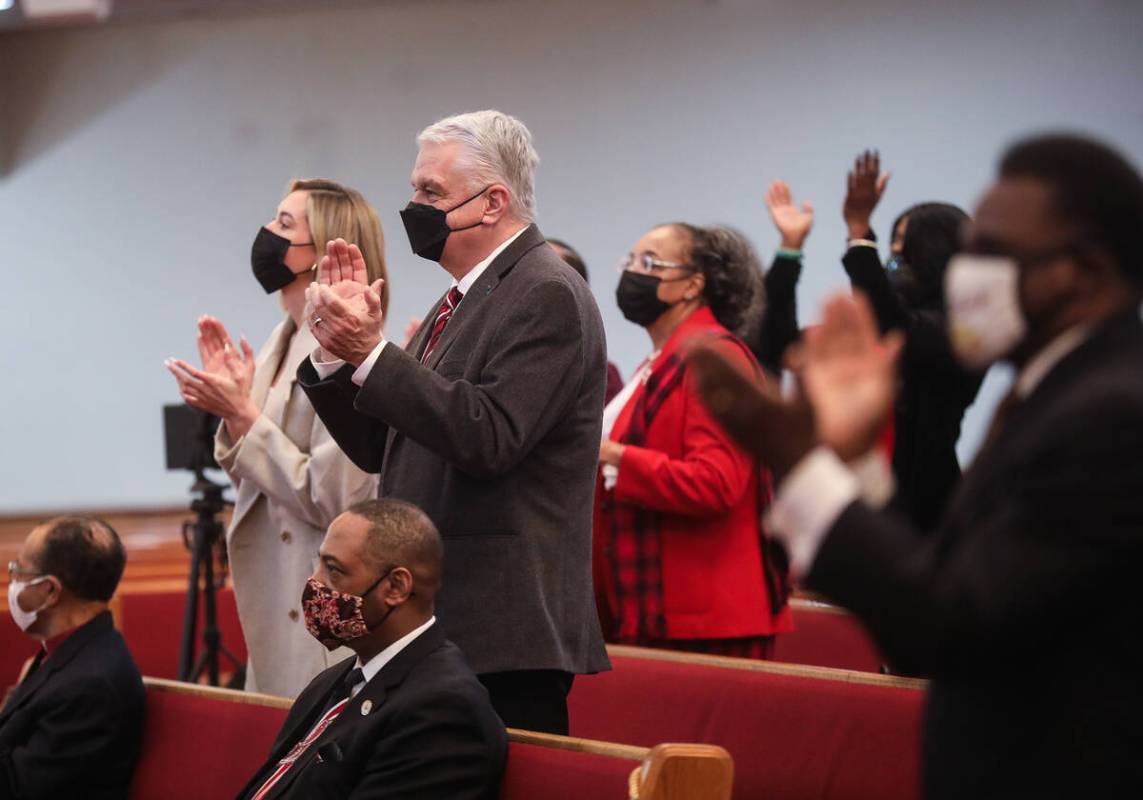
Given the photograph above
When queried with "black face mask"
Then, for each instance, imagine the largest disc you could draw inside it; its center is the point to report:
(638, 297)
(427, 227)
(268, 259)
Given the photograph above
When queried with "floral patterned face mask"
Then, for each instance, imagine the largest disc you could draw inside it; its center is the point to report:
(335, 618)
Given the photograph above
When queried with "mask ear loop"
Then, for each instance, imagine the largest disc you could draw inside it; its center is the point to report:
(31, 583)
(389, 610)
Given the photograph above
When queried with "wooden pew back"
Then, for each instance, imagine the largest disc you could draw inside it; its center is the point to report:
(205, 742)
(793, 731)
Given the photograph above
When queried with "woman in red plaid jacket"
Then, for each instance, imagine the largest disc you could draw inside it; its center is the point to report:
(680, 555)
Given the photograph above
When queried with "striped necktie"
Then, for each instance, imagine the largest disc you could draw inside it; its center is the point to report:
(339, 699)
(444, 313)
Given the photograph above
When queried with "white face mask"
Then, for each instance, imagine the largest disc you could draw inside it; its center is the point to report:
(25, 619)
(982, 294)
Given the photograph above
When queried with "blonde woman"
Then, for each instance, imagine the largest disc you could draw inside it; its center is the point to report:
(290, 477)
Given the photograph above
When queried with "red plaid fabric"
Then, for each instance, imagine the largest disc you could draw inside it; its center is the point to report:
(444, 314)
(636, 535)
(636, 544)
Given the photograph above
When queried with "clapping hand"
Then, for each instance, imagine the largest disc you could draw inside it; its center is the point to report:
(793, 223)
(864, 187)
(847, 384)
(343, 309)
(222, 386)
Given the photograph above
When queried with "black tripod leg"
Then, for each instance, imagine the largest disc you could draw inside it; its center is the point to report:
(187, 671)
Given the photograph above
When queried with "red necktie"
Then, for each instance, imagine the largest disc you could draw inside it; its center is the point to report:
(444, 313)
(341, 697)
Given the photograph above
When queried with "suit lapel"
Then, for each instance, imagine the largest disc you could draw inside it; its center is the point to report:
(58, 660)
(479, 292)
(374, 693)
(1023, 428)
(295, 728)
(268, 360)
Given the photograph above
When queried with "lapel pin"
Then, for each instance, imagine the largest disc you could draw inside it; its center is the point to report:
(366, 707)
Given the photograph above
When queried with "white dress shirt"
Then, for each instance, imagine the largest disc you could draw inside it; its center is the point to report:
(613, 409)
(822, 486)
(326, 368)
(371, 667)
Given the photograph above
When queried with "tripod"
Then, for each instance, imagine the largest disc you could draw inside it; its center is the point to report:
(201, 535)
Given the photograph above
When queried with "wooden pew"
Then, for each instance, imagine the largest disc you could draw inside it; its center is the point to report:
(826, 635)
(793, 731)
(205, 742)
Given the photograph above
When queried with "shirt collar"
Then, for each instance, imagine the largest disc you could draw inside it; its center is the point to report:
(465, 283)
(1042, 363)
(374, 665)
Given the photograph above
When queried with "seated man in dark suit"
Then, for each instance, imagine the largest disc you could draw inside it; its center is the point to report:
(73, 726)
(1023, 606)
(407, 717)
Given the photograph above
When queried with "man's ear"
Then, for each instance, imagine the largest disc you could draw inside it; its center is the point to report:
(55, 592)
(400, 585)
(499, 201)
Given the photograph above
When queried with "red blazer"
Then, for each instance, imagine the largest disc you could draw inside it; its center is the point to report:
(707, 490)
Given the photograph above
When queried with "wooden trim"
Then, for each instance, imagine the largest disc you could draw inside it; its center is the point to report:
(772, 667)
(576, 745)
(36, 516)
(217, 693)
(815, 606)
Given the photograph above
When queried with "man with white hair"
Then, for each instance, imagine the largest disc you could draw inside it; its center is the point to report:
(490, 419)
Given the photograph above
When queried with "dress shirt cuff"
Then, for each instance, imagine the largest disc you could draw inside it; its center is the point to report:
(324, 369)
(875, 478)
(362, 372)
(809, 501)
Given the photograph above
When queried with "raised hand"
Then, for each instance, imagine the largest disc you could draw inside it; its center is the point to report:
(343, 269)
(848, 383)
(223, 390)
(213, 340)
(864, 186)
(348, 328)
(793, 223)
(848, 373)
(778, 431)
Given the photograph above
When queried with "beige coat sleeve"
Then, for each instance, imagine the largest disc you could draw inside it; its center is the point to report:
(314, 486)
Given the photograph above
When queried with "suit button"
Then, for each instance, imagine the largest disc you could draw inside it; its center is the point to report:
(286, 537)
(294, 614)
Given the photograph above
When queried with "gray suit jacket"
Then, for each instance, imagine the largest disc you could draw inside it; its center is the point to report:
(497, 439)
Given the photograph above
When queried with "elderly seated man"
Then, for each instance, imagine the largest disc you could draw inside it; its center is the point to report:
(406, 717)
(73, 726)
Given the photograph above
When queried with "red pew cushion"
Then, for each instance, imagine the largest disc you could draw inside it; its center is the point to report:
(790, 736)
(825, 638)
(196, 747)
(152, 625)
(534, 771)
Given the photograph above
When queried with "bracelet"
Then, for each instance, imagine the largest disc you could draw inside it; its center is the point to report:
(788, 252)
(851, 243)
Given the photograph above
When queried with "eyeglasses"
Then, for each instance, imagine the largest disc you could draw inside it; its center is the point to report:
(648, 264)
(15, 569)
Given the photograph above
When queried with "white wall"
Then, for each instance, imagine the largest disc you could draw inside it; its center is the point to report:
(138, 162)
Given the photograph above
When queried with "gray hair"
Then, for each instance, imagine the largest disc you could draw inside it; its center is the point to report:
(498, 149)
